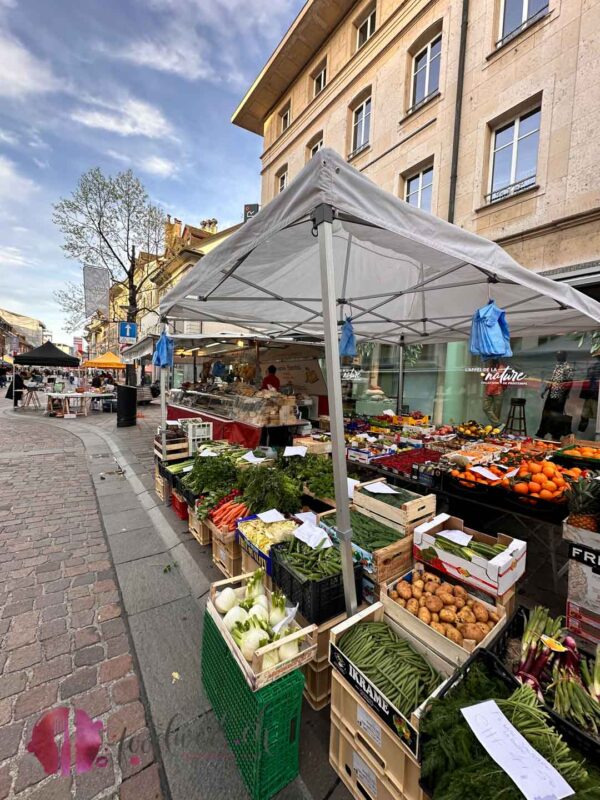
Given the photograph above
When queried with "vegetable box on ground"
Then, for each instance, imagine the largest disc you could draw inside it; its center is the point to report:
(389, 549)
(198, 528)
(249, 564)
(174, 450)
(583, 622)
(403, 507)
(407, 668)
(255, 672)
(226, 552)
(374, 743)
(257, 537)
(584, 576)
(481, 562)
(318, 599)
(317, 688)
(449, 620)
(577, 535)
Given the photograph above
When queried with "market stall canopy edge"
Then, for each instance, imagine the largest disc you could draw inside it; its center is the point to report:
(47, 355)
(399, 271)
(104, 361)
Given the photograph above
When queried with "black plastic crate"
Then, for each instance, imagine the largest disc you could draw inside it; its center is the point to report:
(589, 746)
(318, 600)
(574, 737)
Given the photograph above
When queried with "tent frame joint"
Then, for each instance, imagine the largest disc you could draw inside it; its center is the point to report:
(322, 213)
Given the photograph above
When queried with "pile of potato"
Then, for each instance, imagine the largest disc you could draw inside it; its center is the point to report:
(447, 609)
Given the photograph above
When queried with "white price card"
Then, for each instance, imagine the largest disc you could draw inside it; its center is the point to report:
(251, 458)
(379, 487)
(458, 537)
(362, 435)
(312, 536)
(485, 473)
(533, 775)
(188, 469)
(207, 453)
(299, 450)
(352, 484)
(369, 726)
(365, 774)
(307, 516)
(271, 516)
(389, 413)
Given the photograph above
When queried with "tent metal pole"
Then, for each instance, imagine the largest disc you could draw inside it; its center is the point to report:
(400, 376)
(597, 436)
(324, 225)
(163, 402)
(15, 401)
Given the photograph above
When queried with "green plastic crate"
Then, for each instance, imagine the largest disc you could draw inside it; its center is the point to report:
(262, 728)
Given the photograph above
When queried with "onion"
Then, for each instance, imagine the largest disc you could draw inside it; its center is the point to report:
(226, 600)
(234, 615)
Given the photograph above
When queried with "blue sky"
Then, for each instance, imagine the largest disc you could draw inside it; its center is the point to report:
(146, 84)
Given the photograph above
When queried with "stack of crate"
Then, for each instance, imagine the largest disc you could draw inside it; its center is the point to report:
(226, 552)
(317, 673)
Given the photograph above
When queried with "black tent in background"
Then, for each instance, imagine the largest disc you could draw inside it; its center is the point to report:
(48, 355)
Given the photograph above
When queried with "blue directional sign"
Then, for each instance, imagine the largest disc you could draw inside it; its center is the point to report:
(127, 332)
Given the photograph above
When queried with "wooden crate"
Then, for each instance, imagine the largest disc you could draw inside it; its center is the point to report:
(404, 728)
(357, 771)
(317, 687)
(230, 566)
(175, 449)
(161, 487)
(250, 564)
(256, 677)
(407, 529)
(410, 511)
(382, 564)
(312, 446)
(198, 528)
(374, 742)
(455, 653)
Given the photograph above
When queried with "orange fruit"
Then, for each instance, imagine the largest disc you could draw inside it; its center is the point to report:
(546, 495)
(534, 495)
(550, 486)
(534, 487)
(534, 468)
(548, 469)
(521, 488)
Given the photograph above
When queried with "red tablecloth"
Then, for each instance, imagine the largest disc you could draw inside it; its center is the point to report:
(234, 432)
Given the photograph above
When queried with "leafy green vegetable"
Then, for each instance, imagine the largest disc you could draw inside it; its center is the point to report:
(269, 487)
(216, 474)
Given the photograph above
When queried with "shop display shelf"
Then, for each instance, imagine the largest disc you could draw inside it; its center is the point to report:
(573, 461)
(262, 728)
(255, 675)
(198, 528)
(318, 600)
(437, 642)
(374, 741)
(589, 745)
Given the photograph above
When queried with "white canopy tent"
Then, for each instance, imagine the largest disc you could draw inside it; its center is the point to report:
(334, 245)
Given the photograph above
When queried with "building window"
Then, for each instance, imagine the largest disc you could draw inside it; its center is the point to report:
(516, 15)
(426, 72)
(365, 30)
(418, 189)
(361, 126)
(514, 156)
(320, 81)
(286, 118)
(282, 179)
(315, 147)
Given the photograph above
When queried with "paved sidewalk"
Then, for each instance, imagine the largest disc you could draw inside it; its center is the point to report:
(163, 577)
(64, 639)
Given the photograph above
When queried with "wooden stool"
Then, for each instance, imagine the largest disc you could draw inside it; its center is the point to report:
(515, 422)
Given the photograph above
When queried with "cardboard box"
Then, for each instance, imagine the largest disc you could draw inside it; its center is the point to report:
(495, 576)
(583, 623)
(580, 535)
(584, 576)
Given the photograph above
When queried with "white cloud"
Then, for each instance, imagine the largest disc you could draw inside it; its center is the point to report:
(40, 163)
(14, 187)
(21, 73)
(131, 117)
(6, 137)
(13, 257)
(179, 54)
(157, 165)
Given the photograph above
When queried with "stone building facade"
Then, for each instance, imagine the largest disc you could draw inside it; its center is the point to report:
(485, 112)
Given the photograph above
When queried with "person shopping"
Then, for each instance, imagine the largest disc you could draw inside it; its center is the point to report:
(589, 395)
(557, 389)
(15, 393)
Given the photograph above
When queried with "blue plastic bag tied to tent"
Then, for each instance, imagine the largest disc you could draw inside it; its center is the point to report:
(490, 336)
(163, 352)
(348, 339)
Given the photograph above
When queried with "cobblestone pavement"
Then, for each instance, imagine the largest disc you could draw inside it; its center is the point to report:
(64, 641)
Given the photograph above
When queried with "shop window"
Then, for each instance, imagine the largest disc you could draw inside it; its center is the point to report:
(514, 156)
(426, 72)
(281, 179)
(419, 188)
(517, 15)
(366, 29)
(285, 117)
(320, 80)
(361, 126)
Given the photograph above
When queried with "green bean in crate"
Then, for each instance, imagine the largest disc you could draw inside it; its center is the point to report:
(311, 563)
(390, 663)
(366, 532)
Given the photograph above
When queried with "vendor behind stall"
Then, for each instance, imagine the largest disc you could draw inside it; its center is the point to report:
(271, 381)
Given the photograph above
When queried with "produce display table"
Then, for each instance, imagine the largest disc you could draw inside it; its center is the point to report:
(76, 403)
(30, 397)
(235, 432)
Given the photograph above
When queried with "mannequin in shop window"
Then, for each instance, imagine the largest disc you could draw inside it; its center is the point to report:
(589, 395)
(492, 393)
(557, 389)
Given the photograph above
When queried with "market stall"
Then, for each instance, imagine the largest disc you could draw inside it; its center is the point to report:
(395, 668)
(105, 361)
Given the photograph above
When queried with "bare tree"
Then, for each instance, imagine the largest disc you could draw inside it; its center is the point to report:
(71, 300)
(110, 221)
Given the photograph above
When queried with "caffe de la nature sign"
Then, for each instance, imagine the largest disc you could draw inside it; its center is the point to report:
(505, 376)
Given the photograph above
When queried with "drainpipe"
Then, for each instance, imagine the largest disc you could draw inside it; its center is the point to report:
(460, 82)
